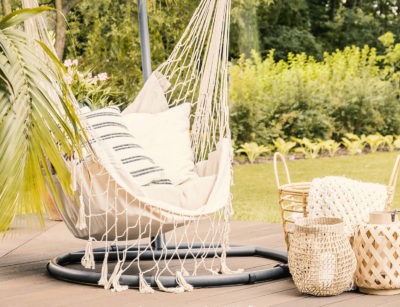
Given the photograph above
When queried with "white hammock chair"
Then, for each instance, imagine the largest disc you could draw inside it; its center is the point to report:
(110, 206)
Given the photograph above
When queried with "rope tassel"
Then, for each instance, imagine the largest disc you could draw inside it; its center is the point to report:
(113, 275)
(144, 287)
(116, 285)
(87, 260)
(73, 176)
(182, 282)
(81, 222)
(104, 270)
(169, 290)
(114, 279)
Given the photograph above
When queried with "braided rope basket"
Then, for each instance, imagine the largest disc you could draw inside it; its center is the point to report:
(321, 259)
(293, 195)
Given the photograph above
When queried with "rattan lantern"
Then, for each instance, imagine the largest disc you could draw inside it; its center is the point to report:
(377, 249)
(321, 259)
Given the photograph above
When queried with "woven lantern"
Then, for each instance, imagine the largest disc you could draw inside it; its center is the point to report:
(377, 249)
(321, 260)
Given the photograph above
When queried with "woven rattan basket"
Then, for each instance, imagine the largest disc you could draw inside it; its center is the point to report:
(321, 259)
(377, 249)
(293, 195)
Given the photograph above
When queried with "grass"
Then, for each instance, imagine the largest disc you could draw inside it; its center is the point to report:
(255, 196)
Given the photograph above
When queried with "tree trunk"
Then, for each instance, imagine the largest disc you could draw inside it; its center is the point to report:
(248, 29)
(61, 28)
(332, 9)
(62, 7)
(5, 4)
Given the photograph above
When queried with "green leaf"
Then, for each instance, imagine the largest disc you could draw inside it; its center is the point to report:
(19, 16)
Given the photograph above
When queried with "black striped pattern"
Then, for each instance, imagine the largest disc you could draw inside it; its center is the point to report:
(146, 171)
(111, 131)
(116, 135)
(135, 159)
(126, 146)
(108, 124)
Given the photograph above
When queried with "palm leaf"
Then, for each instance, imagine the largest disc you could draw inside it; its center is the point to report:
(37, 123)
(19, 16)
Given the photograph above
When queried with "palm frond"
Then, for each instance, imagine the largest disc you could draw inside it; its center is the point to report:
(37, 124)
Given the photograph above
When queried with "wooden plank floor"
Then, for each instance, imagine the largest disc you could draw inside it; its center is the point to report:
(24, 280)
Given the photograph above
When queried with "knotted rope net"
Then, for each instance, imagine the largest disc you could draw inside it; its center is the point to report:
(106, 208)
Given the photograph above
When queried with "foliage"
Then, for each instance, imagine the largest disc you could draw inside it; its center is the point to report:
(104, 34)
(37, 122)
(94, 92)
(253, 150)
(388, 141)
(330, 146)
(353, 143)
(375, 141)
(308, 148)
(396, 142)
(350, 91)
(105, 37)
(282, 146)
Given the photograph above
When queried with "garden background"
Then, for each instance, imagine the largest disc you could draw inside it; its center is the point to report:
(304, 71)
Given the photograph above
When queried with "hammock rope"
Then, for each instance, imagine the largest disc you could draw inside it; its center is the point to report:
(105, 212)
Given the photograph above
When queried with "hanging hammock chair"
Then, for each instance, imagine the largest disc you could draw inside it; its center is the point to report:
(127, 199)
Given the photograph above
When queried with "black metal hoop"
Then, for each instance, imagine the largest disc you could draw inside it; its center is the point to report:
(57, 267)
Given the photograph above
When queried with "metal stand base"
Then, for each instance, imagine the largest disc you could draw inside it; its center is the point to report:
(58, 266)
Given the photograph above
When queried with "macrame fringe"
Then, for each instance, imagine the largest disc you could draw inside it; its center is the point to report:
(87, 260)
(144, 287)
(104, 271)
(81, 222)
(73, 176)
(176, 290)
(182, 282)
(224, 269)
(184, 271)
(114, 279)
(116, 285)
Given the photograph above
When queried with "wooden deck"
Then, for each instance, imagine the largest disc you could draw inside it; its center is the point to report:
(24, 280)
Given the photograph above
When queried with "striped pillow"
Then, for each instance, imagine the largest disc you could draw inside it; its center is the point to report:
(124, 152)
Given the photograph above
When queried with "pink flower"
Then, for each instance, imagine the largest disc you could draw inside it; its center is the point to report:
(80, 75)
(75, 62)
(68, 63)
(102, 76)
(68, 79)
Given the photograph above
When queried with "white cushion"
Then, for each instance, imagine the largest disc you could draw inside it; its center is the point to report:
(119, 149)
(191, 195)
(166, 137)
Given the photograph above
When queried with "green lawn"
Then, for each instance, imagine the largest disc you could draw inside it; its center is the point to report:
(255, 196)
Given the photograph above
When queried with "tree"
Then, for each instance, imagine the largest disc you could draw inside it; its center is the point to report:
(6, 7)
(285, 26)
(63, 8)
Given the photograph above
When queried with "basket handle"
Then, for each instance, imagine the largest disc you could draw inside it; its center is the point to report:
(282, 158)
(395, 173)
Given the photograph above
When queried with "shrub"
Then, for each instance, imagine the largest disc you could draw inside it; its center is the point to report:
(330, 146)
(308, 148)
(253, 150)
(349, 91)
(94, 92)
(283, 147)
(353, 143)
(375, 141)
